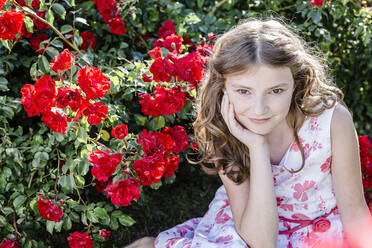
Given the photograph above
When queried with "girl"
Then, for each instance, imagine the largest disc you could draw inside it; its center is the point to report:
(283, 143)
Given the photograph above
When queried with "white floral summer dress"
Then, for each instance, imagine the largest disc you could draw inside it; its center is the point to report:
(306, 200)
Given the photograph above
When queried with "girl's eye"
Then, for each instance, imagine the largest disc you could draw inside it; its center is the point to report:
(243, 92)
(277, 91)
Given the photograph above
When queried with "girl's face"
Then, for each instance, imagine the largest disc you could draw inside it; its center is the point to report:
(261, 97)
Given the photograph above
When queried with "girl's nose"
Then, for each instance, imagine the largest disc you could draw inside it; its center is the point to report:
(260, 107)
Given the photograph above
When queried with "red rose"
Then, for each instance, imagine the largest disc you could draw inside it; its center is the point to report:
(45, 95)
(190, 68)
(88, 41)
(36, 40)
(117, 26)
(165, 102)
(62, 62)
(194, 145)
(69, 97)
(211, 37)
(95, 112)
(171, 165)
(80, 240)
(31, 108)
(167, 29)
(162, 70)
(155, 53)
(93, 82)
(321, 224)
(9, 243)
(173, 43)
(24, 31)
(155, 143)
(104, 164)
(39, 24)
(180, 137)
(10, 24)
(49, 210)
(104, 233)
(55, 121)
(123, 191)
(149, 169)
(35, 3)
(205, 51)
(107, 9)
(364, 145)
(146, 78)
(100, 185)
(120, 131)
(317, 2)
(2, 2)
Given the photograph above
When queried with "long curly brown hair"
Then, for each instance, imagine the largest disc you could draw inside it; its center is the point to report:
(256, 41)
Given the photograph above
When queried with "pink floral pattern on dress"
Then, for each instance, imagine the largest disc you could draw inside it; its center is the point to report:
(303, 196)
(326, 165)
(300, 190)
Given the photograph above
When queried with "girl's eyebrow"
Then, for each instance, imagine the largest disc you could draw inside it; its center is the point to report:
(243, 86)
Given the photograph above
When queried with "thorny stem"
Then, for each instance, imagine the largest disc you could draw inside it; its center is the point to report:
(15, 225)
(219, 4)
(60, 35)
(31, 177)
(55, 182)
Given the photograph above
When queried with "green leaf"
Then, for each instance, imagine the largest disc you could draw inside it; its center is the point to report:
(50, 226)
(29, 24)
(92, 217)
(157, 123)
(57, 43)
(67, 182)
(3, 84)
(81, 20)
(140, 119)
(7, 112)
(50, 17)
(82, 135)
(67, 223)
(3, 221)
(80, 181)
(19, 201)
(66, 29)
(75, 217)
(51, 51)
(192, 18)
(7, 210)
(101, 213)
(60, 10)
(83, 167)
(156, 185)
(44, 64)
(126, 220)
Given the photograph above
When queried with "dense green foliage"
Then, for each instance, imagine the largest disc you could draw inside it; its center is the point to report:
(30, 153)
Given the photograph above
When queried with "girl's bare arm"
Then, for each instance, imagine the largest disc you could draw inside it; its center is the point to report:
(253, 203)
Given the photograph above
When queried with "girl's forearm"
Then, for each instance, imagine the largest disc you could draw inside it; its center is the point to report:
(259, 223)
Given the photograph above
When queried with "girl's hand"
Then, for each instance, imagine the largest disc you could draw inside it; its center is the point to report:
(250, 139)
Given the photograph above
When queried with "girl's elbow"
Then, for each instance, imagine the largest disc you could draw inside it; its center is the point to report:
(255, 241)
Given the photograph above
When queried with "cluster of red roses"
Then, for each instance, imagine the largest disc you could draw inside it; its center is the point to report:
(42, 97)
(366, 164)
(12, 23)
(109, 12)
(157, 162)
(188, 68)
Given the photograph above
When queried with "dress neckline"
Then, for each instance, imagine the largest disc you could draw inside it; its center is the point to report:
(284, 158)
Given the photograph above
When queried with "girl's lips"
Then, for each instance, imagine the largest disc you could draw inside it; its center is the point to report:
(259, 121)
